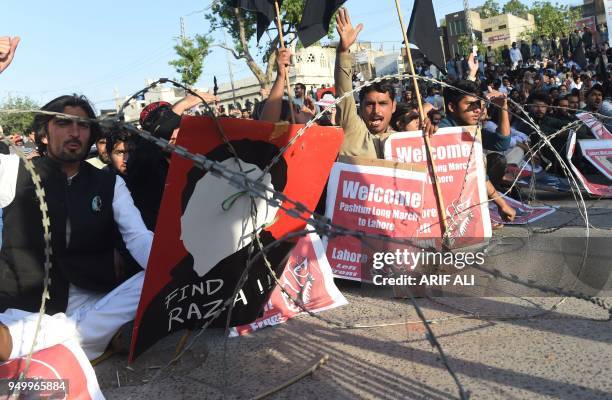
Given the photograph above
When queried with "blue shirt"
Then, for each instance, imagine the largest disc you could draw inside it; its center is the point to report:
(491, 140)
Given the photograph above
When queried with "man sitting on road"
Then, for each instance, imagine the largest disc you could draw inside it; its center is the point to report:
(90, 297)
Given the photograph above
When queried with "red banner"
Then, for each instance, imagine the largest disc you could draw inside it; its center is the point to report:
(458, 159)
(322, 91)
(60, 372)
(524, 214)
(307, 278)
(378, 200)
(599, 153)
(203, 239)
(398, 201)
(598, 187)
(598, 129)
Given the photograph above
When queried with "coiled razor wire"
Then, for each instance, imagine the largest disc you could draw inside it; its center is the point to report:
(320, 224)
(299, 133)
(46, 225)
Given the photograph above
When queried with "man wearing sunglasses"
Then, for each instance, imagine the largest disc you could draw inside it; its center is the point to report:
(90, 297)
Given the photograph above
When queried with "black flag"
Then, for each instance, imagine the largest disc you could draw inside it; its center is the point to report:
(423, 32)
(315, 20)
(264, 9)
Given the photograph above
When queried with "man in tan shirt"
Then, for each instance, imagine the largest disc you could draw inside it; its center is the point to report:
(364, 134)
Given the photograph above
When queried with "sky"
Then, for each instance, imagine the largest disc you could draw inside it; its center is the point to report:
(99, 48)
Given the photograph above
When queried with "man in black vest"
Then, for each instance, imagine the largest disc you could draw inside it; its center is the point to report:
(90, 298)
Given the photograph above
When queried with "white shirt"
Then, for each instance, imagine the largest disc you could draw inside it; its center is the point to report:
(137, 238)
(515, 55)
(516, 136)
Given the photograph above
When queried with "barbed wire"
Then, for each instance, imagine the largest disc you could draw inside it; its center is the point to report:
(320, 224)
(39, 192)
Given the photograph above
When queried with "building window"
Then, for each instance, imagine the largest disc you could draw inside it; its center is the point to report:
(501, 27)
(488, 30)
(323, 62)
(310, 58)
(455, 49)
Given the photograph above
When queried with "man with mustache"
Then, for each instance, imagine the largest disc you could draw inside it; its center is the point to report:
(364, 134)
(90, 297)
(594, 98)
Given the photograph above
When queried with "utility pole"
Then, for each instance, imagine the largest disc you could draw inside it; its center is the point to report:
(229, 66)
(183, 36)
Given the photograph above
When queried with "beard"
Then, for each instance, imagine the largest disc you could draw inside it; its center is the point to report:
(68, 155)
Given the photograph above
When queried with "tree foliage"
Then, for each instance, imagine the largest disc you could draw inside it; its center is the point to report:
(241, 26)
(191, 53)
(553, 19)
(516, 8)
(17, 123)
(489, 9)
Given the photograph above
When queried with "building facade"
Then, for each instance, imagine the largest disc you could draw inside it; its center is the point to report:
(312, 66)
(497, 31)
(456, 28)
(504, 29)
(595, 9)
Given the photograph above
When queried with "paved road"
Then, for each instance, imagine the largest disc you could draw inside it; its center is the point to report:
(561, 355)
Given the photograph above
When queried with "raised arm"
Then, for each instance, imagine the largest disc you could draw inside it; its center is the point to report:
(191, 100)
(274, 104)
(355, 130)
(8, 46)
(501, 101)
(473, 65)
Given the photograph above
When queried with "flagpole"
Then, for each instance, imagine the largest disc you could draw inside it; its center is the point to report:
(432, 165)
(282, 46)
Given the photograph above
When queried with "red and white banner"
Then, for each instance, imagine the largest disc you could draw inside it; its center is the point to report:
(307, 278)
(398, 200)
(601, 188)
(376, 200)
(59, 372)
(598, 129)
(588, 21)
(458, 159)
(524, 214)
(203, 243)
(599, 153)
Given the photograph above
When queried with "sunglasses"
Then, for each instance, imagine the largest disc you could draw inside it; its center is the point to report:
(474, 105)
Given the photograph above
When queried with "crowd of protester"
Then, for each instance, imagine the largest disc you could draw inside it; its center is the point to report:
(545, 83)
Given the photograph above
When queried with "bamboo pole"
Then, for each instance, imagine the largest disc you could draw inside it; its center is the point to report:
(432, 165)
(282, 46)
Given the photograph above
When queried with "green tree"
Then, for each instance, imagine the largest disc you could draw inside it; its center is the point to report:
(553, 19)
(490, 8)
(17, 123)
(241, 26)
(191, 53)
(516, 8)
